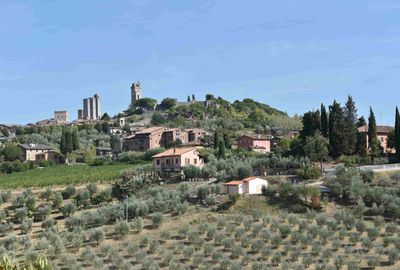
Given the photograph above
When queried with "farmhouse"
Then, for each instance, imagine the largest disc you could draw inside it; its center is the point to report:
(39, 152)
(257, 143)
(251, 185)
(382, 133)
(172, 162)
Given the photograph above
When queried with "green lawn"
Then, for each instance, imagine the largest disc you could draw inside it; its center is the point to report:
(62, 175)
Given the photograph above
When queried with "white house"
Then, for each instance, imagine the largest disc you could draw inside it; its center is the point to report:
(251, 185)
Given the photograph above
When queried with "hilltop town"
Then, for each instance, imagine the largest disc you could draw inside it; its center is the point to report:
(201, 184)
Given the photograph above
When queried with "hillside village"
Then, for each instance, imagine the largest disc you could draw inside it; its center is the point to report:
(200, 184)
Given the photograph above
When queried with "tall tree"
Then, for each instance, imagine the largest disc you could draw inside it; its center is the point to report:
(350, 119)
(68, 141)
(373, 142)
(361, 147)
(336, 129)
(75, 140)
(227, 141)
(11, 152)
(316, 148)
(397, 134)
(311, 124)
(115, 144)
(63, 143)
(221, 149)
(324, 121)
(216, 139)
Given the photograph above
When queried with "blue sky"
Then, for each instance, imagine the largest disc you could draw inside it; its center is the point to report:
(292, 55)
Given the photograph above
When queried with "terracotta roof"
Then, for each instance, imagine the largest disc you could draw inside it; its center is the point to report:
(174, 152)
(233, 183)
(379, 129)
(150, 130)
(248, 179)
(256, 137)
(238, 182)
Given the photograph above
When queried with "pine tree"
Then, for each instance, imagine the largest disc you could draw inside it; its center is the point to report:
(324, 121)
(372, 135)
(221, 149)
(350, 118)
(311, 124)
(63, 142)
(336, 129)
(75, 140)
(397, 134)
(68, 141)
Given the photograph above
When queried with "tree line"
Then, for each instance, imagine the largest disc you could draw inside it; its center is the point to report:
(340, 126)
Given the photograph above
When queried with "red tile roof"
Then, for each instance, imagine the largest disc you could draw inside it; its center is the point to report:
(379, 129)
(233, 183)
(238, 182)
(174, 152)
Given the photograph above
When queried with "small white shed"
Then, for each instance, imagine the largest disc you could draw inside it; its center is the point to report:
(251, 185)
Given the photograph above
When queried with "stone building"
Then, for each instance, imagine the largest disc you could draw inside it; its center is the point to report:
(91, 108)
(136, 92)
(144, 140)
(173, 135)
(61, 117)
(38, 152)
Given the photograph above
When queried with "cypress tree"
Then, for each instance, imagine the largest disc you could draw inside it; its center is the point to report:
(372, 135)
(63, 142)
(350, 119)
(227, 141)
(75, 140)
(336, 129)
(311, 124)
(397, 134)
(216, 139)
(361, 147)
(324, 121)
(221, 149)
(68, 141)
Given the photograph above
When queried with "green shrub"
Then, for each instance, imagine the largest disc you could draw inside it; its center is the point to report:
(157, 219)
(309, 172)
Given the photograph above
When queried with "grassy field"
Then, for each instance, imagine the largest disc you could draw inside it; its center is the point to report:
(61, 175)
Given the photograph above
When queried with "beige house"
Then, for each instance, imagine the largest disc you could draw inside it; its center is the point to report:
(172, 162)
(251, 185)
(39, 152)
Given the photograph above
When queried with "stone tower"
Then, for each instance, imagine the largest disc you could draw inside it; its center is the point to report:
(136, 92)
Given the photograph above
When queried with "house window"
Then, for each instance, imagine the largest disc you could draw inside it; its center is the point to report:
(176, 161)
(158, 162)
(167, 161)
(195, 161)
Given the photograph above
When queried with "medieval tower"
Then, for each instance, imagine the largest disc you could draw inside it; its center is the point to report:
(136, 92)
